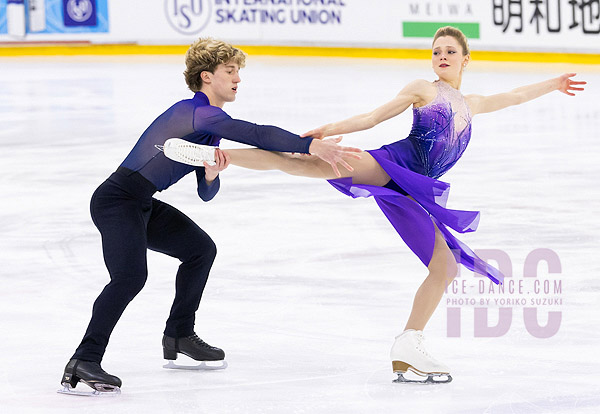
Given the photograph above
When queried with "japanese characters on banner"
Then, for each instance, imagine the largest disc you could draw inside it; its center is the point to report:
(548, 16)
(553, 25)
(529, 25)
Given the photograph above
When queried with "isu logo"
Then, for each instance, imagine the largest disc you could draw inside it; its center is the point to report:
(188, 16)
(79, 10)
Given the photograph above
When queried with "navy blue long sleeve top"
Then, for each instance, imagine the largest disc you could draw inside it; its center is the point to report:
(197, 121)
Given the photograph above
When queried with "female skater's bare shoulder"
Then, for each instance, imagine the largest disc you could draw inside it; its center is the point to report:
(423, 91)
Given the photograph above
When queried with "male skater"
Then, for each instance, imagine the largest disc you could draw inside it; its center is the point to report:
(131, 221)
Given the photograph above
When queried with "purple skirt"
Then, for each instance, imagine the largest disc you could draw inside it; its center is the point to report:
(414, 221)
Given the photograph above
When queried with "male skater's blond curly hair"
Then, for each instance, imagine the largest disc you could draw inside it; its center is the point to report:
(205, 54)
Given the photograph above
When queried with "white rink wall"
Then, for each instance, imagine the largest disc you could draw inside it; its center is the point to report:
(564, 26)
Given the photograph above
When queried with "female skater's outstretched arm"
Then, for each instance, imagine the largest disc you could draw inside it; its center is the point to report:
(417, 93)
(421, 92)
(479, 104)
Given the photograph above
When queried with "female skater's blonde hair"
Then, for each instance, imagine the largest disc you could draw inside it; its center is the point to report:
(205, 54)
(455, 33)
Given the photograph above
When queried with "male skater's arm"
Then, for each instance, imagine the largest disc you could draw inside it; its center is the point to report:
(214, 121)
(208, 176)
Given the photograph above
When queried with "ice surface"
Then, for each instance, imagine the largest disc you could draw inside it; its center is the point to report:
(309, 287)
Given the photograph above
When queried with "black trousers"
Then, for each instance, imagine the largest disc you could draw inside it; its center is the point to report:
(130, 222)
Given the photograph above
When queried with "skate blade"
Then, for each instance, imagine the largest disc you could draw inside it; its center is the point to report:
(431, 379)
(107, 391)
(402, 368)
(203, 366)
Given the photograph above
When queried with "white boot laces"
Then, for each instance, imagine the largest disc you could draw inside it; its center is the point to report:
(421, 346)
(192, 153)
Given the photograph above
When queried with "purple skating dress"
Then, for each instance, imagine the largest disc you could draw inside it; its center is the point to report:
(440, 133)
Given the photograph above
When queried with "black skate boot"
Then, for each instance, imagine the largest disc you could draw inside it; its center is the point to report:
(195, 348)
(91, 374)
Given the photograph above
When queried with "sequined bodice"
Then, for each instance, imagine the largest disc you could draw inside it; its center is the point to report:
(441, 130)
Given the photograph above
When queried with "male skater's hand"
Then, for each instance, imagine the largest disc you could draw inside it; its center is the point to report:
(329, 151)
(221, 162)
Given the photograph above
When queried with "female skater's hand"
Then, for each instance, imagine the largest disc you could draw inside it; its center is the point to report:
(566, 85)
(317, 133)
(221, 162)
(329, 151)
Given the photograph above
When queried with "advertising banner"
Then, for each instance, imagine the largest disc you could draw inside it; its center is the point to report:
(565, 26)
(40, 20)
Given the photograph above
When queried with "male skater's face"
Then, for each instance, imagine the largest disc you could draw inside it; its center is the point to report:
(223, 83)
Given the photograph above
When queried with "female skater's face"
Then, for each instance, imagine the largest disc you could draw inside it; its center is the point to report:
(222, 85)
(447, 58)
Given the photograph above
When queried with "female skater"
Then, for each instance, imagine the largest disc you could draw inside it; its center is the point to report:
(402, 177)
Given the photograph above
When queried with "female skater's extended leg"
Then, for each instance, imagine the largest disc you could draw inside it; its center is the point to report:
(442, 270)
(408, 352)
(366, 169)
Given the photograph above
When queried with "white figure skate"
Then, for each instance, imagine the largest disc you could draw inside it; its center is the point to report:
(409, 354)
(186, 152)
